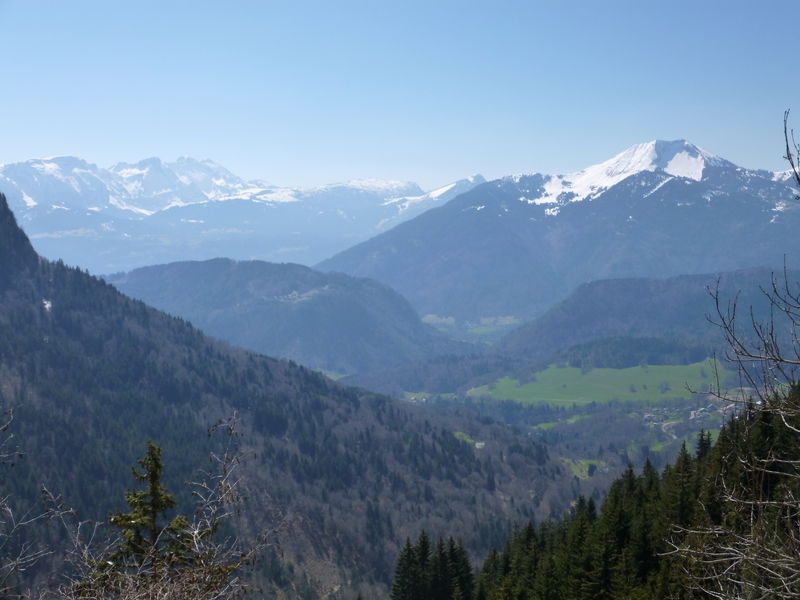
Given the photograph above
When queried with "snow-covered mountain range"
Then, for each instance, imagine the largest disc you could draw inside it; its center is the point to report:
(152, 211)
(676, 158)
(514, 246)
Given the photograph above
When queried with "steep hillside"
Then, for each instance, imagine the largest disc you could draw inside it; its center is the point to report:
(515, 246)
(326, 321)
(718, 522)
(92, 375)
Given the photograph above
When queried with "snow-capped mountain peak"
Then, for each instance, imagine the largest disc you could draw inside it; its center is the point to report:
(214, 180)
(57, 183)
(677, 158)
(152, 184)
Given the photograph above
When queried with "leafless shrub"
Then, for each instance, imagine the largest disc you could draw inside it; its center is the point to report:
(206, 559)
(753, 551)
(18, 554)
(203, 563)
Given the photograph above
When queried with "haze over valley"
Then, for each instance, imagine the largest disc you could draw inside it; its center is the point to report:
(345, 365)
(153, 211)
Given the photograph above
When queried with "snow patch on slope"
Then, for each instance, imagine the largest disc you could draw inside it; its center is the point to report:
(378, 185)
(684, 164)
(436, 196)
(29, 202)
(783, 175)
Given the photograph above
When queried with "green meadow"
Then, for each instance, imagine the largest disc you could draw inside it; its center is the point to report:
(581, 468)
(464, 437)
(548, 425)
(568, 386)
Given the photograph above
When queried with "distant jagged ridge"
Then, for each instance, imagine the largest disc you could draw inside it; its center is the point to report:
(153, 211)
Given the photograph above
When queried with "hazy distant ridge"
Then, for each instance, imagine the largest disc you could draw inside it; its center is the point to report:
(152, 211)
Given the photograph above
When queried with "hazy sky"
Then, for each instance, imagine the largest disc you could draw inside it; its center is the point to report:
(303, 93)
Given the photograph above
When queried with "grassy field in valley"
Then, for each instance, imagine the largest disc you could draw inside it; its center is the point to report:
(568, 386)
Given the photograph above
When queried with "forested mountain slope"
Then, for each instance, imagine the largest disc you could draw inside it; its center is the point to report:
(681, 309)
(92, 375)
(720, 522)
(334, 322)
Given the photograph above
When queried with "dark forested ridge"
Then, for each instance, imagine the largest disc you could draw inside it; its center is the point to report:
(678, 309)
(333, 322)
(92, 375)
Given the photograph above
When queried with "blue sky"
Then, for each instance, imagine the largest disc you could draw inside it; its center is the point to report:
(304, 93)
